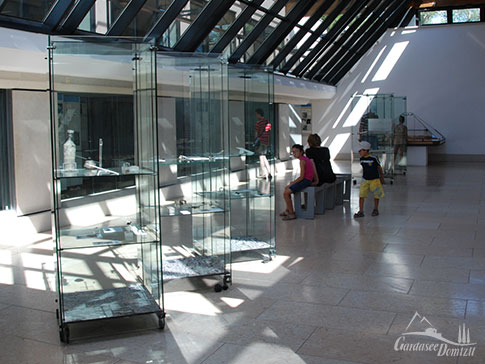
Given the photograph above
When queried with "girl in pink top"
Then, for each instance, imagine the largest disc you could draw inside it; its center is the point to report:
(308, 174)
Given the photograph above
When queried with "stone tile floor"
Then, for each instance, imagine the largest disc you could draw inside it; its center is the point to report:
(340, 290)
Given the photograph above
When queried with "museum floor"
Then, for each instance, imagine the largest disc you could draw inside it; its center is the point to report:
(339, 291)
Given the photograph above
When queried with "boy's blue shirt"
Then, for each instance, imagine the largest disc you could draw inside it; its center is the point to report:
(369, 165)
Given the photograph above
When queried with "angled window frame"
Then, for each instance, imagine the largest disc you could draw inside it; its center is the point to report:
(313, 38)
(256, 32)
(395, 11)
(202, 25)
(125, 18)
(355, 40)
(280, 32)
(304, 30)
(337, 36)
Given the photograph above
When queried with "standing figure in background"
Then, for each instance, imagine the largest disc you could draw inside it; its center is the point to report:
(364, 134)
(262, 131)
(321, 158)
(400, 139)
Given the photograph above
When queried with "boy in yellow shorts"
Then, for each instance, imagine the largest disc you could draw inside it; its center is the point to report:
(372, 179)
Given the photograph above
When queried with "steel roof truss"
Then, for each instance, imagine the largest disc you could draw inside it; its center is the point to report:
(203, 25)
(281, 31)
(256, 32)
(126, 17)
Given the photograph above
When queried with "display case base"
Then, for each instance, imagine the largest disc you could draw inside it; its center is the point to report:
(108, 303)
(192, 267)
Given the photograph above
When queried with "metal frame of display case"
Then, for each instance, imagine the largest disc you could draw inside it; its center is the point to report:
(252, 198)
(107, 266)
(381, 111)
(192, 106)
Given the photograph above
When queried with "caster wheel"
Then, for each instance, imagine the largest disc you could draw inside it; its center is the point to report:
(218, 287)
(161, 322)
(64, 334)
(225, 287)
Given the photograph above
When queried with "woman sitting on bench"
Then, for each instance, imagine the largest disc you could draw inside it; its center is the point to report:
(308, 176)
(321, 158)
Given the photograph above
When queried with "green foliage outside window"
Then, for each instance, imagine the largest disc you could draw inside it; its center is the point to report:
(466, 15)
(433, 17)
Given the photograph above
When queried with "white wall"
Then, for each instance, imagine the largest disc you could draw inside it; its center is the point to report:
(440, 69)
(32, 155)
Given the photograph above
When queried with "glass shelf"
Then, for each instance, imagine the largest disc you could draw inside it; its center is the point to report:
(190, 209)
(192, 160)
(109, 172)
(238, 194)
(104, 236)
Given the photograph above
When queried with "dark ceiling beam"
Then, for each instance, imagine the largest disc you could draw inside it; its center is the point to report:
(281, 31)
(328, 38)
(257, 31)
(76, 16)
(342, 46)
(167, 18)
(125, 18)
(241, 20)
(395, 11)
(341, 39)
(203, 25)
(23, 24)
(2, 4)
(456, 2)
(57, 12)
(312, 38)
(293, 42)
(408, 16)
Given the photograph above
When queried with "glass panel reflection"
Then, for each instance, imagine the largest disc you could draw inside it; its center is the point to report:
(27, 9)
(182, 23)
(147, 17)
(224, 24)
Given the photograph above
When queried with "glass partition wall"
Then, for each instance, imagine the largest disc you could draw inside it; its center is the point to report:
(252, 156)
(106, 221)
(383, 125)
(192, 110)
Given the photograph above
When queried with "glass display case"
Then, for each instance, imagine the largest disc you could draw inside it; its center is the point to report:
(195, 209)
(106, 221)
(252, 162)
(383, 125)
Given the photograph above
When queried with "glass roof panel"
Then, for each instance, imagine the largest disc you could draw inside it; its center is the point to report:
(264, 34)
(147, 17)
(222, 26)
(35, 10)
(182, 23)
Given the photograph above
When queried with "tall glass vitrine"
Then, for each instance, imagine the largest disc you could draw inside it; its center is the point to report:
(380, 126)
(192, 109)
(106, 221)
(251, 114)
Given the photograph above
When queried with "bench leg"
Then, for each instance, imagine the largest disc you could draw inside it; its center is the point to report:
(339, 192)
(320, 202)
(330, 196)
(347, 182)
(309, 212)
